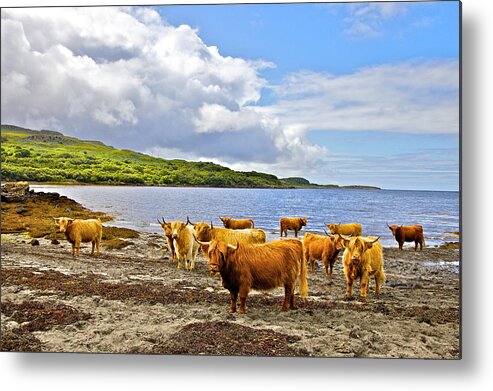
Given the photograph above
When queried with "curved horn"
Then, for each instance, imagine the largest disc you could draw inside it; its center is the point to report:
(387, 224)
(233, 247)
(164, 222)
(188, 221)
(159, 221)
(201, 243)
(326, 233)
(372, 241)
(211, 225)
(345, 237)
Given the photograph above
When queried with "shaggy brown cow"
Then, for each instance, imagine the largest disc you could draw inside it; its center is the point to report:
(408, 233)
(362, 259)
(352, 229)
(237, 224)
(206, 233)
(258, 266)
(324, 248)
(293, 223)
(169, 239)
(77, 231)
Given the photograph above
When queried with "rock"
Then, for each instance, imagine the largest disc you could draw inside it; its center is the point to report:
(34, 242)
(20, 209)
(54, 241)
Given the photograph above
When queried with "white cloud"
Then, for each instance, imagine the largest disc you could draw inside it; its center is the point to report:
(412, 97)
(367, 20)
(124, 76)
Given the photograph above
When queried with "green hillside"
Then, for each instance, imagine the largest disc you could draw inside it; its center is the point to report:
(47, 156)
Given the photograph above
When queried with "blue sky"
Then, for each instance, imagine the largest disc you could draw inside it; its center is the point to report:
(344, 93)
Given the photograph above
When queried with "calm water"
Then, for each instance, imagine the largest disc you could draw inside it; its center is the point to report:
(138, 207)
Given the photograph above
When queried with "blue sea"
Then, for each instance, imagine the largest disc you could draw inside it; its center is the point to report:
(139, 207)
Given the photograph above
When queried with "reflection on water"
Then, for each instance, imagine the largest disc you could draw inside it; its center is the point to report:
(138, 207)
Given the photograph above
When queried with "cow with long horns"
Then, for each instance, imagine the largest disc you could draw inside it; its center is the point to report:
(168, 234)
(182, 239)
(258, 266)
(324, 248)
(362, 259)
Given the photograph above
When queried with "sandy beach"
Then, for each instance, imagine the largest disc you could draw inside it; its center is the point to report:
(133, 299)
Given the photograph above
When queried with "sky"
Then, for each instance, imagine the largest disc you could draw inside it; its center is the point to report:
(341, 93)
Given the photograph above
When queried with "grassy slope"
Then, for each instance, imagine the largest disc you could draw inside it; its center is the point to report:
(44, 156)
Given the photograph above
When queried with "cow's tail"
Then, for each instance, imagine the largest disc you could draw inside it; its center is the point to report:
(303, 278)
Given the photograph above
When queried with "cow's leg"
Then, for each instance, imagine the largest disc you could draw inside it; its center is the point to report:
(291, 295)
(415, 244)
(326, 266)
(98, 244)
(295, 233)
(363, 283)
(93, 245)
(400, 245)
(73, 249)
(243, 295)
(331, 267)
(377, 284)
(234, 297)
(77, 247)
(288, 292)
(349, 288)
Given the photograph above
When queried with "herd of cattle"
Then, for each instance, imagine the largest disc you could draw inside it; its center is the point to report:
(239, 253)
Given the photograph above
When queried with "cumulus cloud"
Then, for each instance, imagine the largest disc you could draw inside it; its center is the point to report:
(125, 76)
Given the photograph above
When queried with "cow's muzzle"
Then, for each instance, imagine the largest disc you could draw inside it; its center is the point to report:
(174, 236)
(214, 268)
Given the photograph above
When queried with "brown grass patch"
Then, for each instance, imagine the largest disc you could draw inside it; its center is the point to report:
(116, 244)
(231, 339)
(40, 316)
(115, 232)
(18, 340)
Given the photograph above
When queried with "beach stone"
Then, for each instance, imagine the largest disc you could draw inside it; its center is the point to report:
(34, 242)
(54, 241)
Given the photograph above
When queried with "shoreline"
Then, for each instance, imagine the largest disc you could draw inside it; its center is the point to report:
(133, 299)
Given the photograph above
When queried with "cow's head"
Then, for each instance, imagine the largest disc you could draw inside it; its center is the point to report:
(166, 227)
(393, 228)
(203, 231)
(63, 223)
(225, 221)
(332, 228)
(338, 242)
(218, 252)
(356, 246)
(177, 228)
(303, 221)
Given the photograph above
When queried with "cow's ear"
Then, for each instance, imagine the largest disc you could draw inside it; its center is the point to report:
(205, 247)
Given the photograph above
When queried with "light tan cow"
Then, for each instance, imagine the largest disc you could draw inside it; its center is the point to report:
(363, 259)
(81, 231)
(353, 229)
